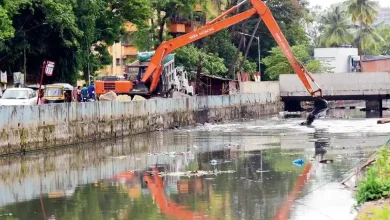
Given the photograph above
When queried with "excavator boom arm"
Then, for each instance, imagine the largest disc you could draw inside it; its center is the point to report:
(155, 69)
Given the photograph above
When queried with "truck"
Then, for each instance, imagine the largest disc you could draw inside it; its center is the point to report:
(172, 79)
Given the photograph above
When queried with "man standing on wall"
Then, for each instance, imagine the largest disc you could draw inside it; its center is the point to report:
(91, 91)
(84, 93)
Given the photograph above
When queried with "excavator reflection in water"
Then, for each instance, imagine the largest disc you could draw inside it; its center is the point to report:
(153, 73)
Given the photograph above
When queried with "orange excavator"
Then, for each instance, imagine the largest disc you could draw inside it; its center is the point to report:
(154, 70)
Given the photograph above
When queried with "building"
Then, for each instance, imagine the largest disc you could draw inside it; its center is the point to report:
(121, 52)
(338, 59)
(179, 26)
(384, 16)
(376, 63)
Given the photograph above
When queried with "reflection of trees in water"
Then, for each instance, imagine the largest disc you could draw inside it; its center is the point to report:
(256, 199)
(88, 202)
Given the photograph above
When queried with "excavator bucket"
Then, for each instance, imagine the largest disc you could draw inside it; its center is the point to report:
(320, 105)
(140, 89)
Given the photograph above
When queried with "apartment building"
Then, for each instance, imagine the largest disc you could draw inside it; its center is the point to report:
(121, 52)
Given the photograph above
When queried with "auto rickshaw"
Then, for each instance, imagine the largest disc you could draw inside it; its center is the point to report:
(58, 93)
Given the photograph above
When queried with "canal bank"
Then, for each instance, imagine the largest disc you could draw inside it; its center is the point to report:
(27, 128)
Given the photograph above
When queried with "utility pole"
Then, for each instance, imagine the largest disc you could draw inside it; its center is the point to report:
(258, 47)
(24, 59)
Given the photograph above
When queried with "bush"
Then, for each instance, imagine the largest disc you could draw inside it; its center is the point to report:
(376, 183)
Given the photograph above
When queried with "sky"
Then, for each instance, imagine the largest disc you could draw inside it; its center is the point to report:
(327, 3)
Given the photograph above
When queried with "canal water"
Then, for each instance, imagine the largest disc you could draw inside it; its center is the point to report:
(252, 169)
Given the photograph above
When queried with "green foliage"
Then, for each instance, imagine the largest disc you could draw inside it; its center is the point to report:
(367, 39)
(220, 43)
(364, 11)
(165, 9)
(73, 33)
(335, 29)
(189, 58)
(277, 62)
(6, 29)
(383, 47)
(376, 183)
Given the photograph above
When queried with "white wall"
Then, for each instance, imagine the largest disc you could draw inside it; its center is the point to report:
(336, 58)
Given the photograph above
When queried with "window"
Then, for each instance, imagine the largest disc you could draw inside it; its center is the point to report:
(118, 61)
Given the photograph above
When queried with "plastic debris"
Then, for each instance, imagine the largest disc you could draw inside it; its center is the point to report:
(213, 162)
(262, 171)
(298, 162)
(195, 173)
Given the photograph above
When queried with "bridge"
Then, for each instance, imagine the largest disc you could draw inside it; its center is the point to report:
(372, 87)
(338, 86)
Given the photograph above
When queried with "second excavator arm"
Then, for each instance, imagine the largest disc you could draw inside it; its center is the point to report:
(155, 67)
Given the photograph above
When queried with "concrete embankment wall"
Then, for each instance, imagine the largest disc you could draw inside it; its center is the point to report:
(25, 128)
(270, 87)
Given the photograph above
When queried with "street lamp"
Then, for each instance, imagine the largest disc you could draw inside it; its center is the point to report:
(258, 46)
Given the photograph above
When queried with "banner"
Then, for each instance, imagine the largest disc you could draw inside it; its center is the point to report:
(3, 77)
(17, 77)
(49, 68)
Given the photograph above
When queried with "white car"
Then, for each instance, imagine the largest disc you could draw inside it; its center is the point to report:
(19, 96)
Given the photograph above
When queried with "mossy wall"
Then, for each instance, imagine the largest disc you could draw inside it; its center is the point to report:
(26, 128)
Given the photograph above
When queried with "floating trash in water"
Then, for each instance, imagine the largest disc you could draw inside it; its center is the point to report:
(262, 171)
(137, 158)
(195, 173)
(298, 162)
(213, 162)
(195, 146)
(326, 161)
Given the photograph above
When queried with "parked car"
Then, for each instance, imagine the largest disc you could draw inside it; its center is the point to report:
(19, 96)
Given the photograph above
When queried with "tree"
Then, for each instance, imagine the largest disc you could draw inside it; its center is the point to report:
(289, 18)
(189, 56)
(336, 29)
(364, 12)
(277, 62)
(6, 29)
(73, 33)
(166, 9)
(367, 38)
(383, 47)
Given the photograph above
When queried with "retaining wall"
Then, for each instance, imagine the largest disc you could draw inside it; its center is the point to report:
(270, 87)
(25, 128)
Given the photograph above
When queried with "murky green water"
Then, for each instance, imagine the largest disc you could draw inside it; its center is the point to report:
(239, 170)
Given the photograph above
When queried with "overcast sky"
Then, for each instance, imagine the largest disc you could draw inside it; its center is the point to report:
(327, 3)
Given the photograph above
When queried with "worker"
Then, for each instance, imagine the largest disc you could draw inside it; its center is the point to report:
(78, 94)
(41, 101)
(84, 93)
(169, 93)
(91, 91)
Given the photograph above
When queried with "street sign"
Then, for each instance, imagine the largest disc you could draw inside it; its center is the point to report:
(49, 68)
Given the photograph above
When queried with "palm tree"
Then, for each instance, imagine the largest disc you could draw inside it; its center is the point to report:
(366, 37)
(364, 11)
(335, 29)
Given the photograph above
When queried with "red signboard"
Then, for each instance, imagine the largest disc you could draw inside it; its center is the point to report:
(49, 68)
